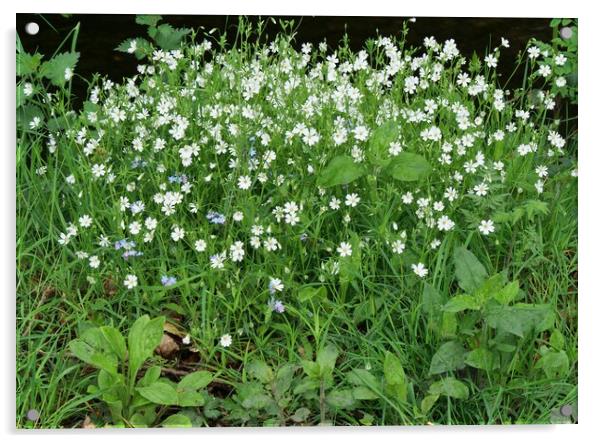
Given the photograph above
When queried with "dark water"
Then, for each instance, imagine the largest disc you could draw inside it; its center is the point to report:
(101, 33)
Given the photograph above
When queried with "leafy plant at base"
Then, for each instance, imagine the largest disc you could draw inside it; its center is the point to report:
(131, 401)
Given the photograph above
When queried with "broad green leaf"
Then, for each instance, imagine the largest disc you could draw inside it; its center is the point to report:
(148, 20)
(176, 421)
(409, 167)
(311, 368)
(326, 358)
(307, 384)
(519, 319)
(450, 387)
(145, 335)
(27, 63)
(470, 273)
(284, 378)
(341, 170)
(151, 375)
(301, 415)
(361, 377)
(480, 358)
(115, 341)
(380, 140)
(190, 398)
(168, 37)
(432, 299)
(60, 67)
(428, 402)
(364, 393)
(93, 356)
(260, 370)
(449, 357)
(395, 377)
(557, 340)
(340, 398)
(449, 325)
(195, 381)
(508, 293)
(555, 364)
(140, 47)
(160, 393)
(462, 303)
(492, 286)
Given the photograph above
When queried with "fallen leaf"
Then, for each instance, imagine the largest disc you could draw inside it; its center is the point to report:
(168, 347)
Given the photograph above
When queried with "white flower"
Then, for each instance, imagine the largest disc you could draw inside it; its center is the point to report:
(275, 285)
(177, 233)
(486, 227)
(420, 270)
(134, 228)
(225, 340)
(398, 246)
(237, 251)
(186, 340)
(271, 244)
(344, 249)
(444, 223)
(85, 221)
(131, 281)
(94, 262)
(361, 133)
(244, 182)
(352, 200)
(407, 198)
(200, 245)
(394, 148)
(481, 189)
(238, 216)
(334, 204)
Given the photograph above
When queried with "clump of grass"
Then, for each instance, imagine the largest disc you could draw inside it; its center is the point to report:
(314, 210)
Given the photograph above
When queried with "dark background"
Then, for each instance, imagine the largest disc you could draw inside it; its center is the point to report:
(101, 33)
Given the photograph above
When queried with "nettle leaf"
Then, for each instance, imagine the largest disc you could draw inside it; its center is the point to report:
(557, 340)
(450, 387)
(470, 273)
(449, 357)
(140, 47)
(341, 170)
(57, 68)
(145, 335)
(380, 140)
(160, 393)
(148, 20)
(395, 377)
(168, 37)
(432, 299)
(462, 303)
(284, 379)
(326, 359)
(480, 358)
(409, 167)
(28, 63)
(519, 319)
(508, 293)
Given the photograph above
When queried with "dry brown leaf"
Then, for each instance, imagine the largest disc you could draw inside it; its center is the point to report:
(168, 347)
(173, 329)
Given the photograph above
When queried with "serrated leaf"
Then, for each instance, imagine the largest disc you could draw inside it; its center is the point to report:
(450, 387)
(555, 364)
(341, 170)
(508, 293)
(168, 37)
(260, 370)
(449, 357)
(340, 398)
(480, 358)
(409, 167)
(148, 20)
(56, 68)
(470, 273)
(28, 63)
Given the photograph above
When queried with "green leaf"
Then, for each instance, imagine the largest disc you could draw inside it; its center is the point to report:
(450, 387)
(341, 170)
(449, 357)
(168, 37)
(151, 375)
(557, 340)
(27, 63)
(56, 68)
(326, 359)
(145, 335)
(380, 139)
(508, 293)
(480, 358)
(316, 293)
(284, 378)
(428, 402)
(395, 377)
(160, 393)
(470, 273)
(142, 49)
(301, 415)
(361, 377)
(364, 393)
(519, 319)
(195, 381)
(148, 20)
(462, 303)
(115, 341)
(176, 421)
(555, 364)
(340, 398)
(311, 368)
(432, 299)
(307, 384)
(409, 167)
(190, 399)
(93, 355)
(260, 370)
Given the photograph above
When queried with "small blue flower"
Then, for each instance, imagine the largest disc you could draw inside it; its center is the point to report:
(168, 281)
(276, 305)
(216, 218)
